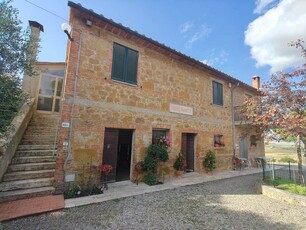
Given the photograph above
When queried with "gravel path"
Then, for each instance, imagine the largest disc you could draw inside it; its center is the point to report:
(224, 204)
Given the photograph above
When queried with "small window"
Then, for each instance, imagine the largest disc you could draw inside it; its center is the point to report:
(157, 134)
(217, 93)
(219, 141)
(125, 62)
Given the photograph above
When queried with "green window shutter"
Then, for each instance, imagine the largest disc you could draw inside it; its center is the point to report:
(217, 93)
(220, 94)
(125, 64)
(118, 62)
(131, 66)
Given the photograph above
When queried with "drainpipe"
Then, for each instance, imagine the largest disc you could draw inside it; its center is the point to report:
(74, 93)
(233, 118)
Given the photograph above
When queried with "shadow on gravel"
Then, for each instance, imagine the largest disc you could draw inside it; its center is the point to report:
(225, 204)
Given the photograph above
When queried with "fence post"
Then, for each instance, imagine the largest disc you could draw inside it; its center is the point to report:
(273, 172)
(289, 170)
(263, 169)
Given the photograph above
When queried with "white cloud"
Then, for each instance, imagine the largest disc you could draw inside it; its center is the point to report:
(269, 34)
(261, 5)
(185, 27)
(216, 59)
(203, 32)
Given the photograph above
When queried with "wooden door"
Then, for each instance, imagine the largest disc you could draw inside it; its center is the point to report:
(110, 151)
(243, 147)
(50, 90)
(188, 150)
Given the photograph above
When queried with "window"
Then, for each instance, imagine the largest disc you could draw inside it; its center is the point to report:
(157, 133)
(219, 141)
(253, 140)
(125, 63)
(217, 93)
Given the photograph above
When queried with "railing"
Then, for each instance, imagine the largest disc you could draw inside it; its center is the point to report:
(287, 171)
(240, 116)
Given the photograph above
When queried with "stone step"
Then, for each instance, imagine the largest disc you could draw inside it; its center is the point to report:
(31, 166)
(33, 159)
(40, 132)
(35, 147)
(37, 142)
(46, 136)
(25, 175)
(25, 193)
(46, 130)
(29, 153)
(25, 184)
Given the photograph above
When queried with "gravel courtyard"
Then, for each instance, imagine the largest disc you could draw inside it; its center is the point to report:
(224, 204)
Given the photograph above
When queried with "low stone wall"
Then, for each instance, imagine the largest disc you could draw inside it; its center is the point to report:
(282, 195)
(9, 144)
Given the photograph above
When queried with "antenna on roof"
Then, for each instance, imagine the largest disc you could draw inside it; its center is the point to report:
(67, 29)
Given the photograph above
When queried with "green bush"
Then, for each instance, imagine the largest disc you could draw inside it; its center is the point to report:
(287, 159)
(287, 185)
(150, 179)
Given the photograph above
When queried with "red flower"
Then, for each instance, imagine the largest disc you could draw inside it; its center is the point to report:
(105, 169)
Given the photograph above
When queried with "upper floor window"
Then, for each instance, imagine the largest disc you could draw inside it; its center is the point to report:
(125, 61)
(217, 93)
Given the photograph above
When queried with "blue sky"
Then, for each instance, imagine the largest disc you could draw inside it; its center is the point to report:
(242, 38)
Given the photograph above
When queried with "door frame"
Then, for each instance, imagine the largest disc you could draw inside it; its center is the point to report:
(194, 135)
(50, 66)
(132, 147)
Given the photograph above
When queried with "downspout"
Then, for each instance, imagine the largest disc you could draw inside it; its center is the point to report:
(73, 98)
(233, 119)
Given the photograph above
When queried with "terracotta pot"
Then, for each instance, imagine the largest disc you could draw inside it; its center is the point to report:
(138, 168)
(179, 173)
(209, 173)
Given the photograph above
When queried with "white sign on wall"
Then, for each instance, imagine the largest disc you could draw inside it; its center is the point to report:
(65, 124)
(174, 108)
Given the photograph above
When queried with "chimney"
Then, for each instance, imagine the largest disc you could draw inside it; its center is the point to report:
(34, 39)
(256, 82)
(30, 83)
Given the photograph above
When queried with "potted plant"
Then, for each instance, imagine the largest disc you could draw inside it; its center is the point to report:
(209, 161)
(179, 164)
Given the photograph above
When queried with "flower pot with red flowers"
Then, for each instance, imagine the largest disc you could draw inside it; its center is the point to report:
(209, 161)
(179, 165)
(105, 170)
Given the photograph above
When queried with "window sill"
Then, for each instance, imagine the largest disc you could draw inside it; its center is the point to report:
(125, 83)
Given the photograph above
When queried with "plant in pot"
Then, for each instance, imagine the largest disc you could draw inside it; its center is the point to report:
(179, 164)
(209, 161)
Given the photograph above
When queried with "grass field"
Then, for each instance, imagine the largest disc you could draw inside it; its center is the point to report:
(279, 150)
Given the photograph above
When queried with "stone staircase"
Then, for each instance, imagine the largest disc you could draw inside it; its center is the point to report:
(31, 172)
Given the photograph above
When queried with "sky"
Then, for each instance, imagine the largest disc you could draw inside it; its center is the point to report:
(242, 38)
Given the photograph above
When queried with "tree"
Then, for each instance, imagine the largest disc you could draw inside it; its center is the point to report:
(282, 106)
(16, 57)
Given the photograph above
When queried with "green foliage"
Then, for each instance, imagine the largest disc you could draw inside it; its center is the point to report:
(287, 185)
(11, 98)
(287, 159)
(149, 164)
(16, 57)
(158, 152)
(77, 191)
(150, 179)
(179, 162)
(209, 161)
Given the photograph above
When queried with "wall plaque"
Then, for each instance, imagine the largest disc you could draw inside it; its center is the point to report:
(174, 108)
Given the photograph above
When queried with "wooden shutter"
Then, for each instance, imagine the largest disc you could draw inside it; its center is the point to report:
(110, 151)
(118, 62)
(131, 66)
(217, 93)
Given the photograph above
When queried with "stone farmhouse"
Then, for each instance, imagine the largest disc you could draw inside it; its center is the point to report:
(116, 92)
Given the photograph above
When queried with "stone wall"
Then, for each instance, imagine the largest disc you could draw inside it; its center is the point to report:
(104, 103)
